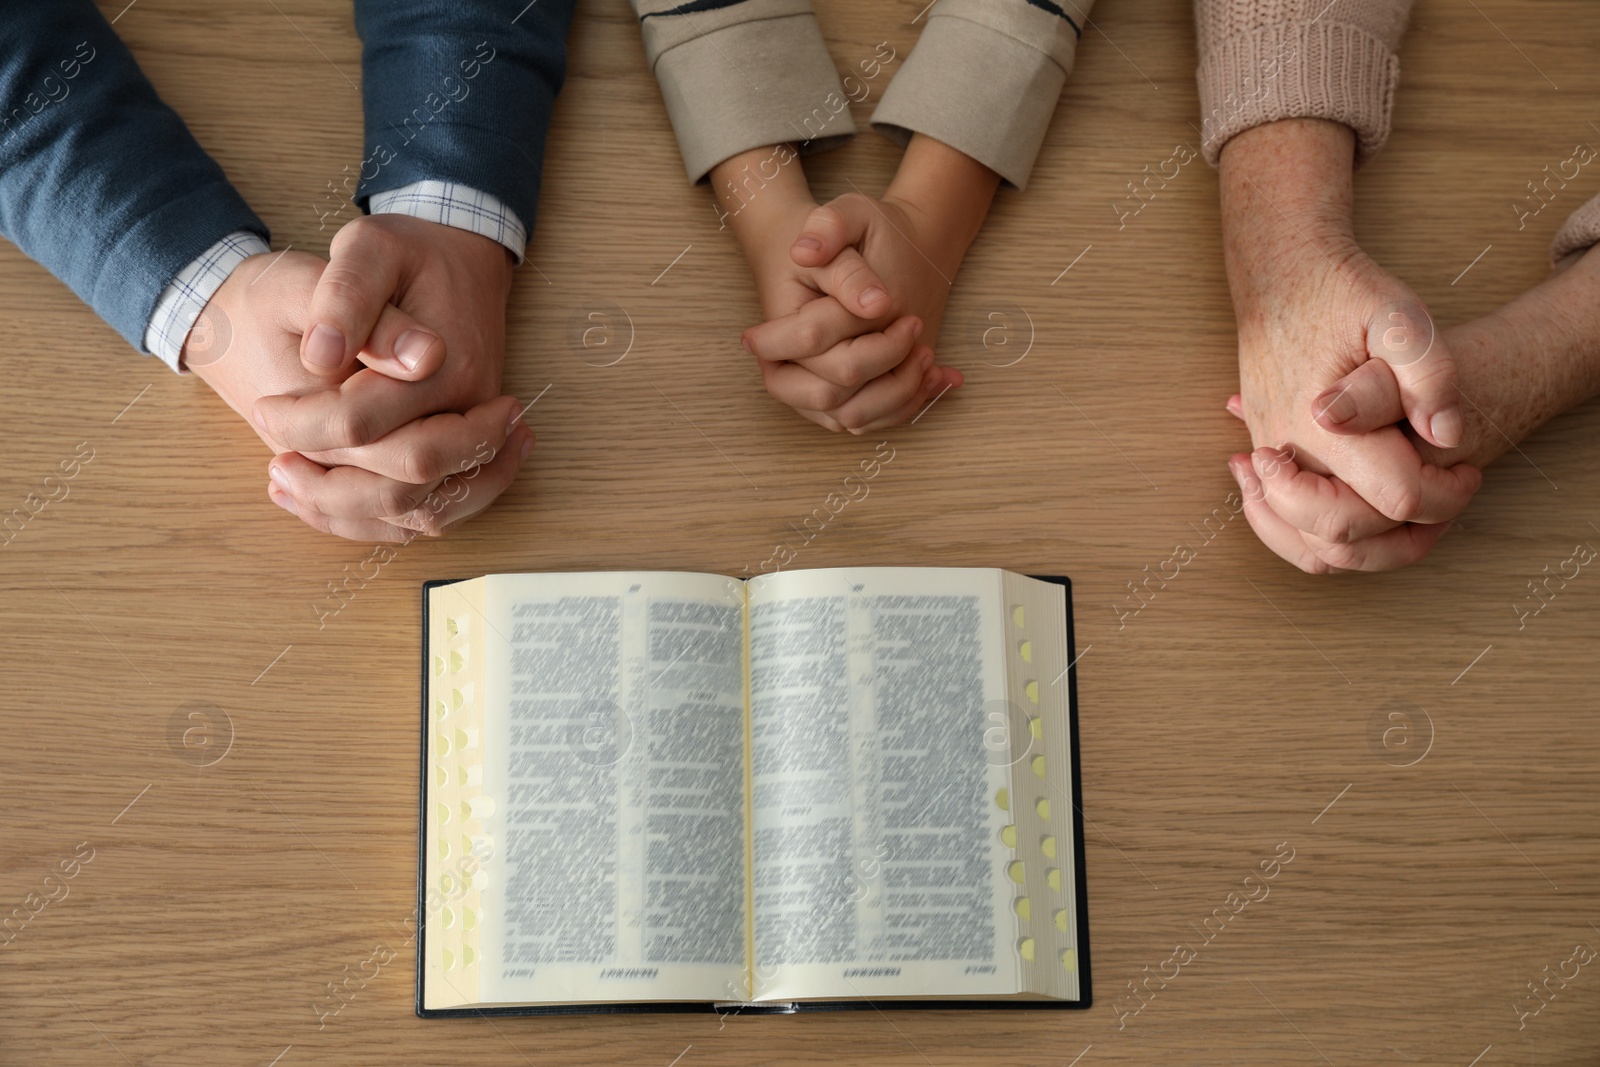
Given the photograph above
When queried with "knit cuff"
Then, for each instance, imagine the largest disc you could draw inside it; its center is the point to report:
(1331, 70)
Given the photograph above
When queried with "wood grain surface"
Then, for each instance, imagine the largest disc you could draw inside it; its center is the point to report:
(1429, 761)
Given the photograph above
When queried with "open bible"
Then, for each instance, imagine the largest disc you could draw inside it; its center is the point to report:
(662, 791)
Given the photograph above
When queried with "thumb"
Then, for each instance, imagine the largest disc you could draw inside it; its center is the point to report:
(831, 228)
(855, 285)
(1366, 399)
(347, 303)
(1405, 337)
(402, 348)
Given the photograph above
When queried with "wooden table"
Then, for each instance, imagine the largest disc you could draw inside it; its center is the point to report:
(1430, 764)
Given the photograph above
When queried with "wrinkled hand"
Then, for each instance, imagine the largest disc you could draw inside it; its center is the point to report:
(1319, 323)
(425, 475)
(1321, 490)
(1519, 366)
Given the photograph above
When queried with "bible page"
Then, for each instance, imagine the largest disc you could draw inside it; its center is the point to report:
(614, 725)
(879, 744)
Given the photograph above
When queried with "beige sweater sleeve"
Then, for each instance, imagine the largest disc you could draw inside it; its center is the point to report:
(984, 79)
(740, 74)
(1265, 60)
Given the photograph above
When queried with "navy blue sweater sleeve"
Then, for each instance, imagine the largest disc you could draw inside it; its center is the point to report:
(460, 91)
(100, 181)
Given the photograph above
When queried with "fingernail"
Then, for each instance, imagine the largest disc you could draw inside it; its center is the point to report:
(411, 347)
(810, 244)
(325, 347)
(1248, 484)
(286, 502)
(279, 479)
(527, 447)
(259, 417)
(916, 329)
(871, 297)
(744, 342)
(1447, 426)
(516, 417)
(1336, 405)
(927, 361)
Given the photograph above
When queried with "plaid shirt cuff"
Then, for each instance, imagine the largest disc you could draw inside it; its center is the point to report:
(460, 206)
(186, 295)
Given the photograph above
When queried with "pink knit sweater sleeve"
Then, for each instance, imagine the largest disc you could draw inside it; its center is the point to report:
(1265, 60)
